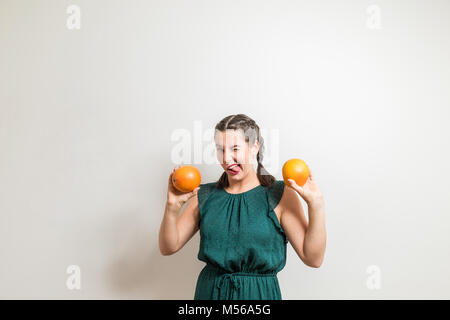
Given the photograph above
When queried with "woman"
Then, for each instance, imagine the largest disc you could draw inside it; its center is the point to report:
(245, 220)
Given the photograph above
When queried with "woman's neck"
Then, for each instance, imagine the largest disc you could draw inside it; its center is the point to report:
(248, 183)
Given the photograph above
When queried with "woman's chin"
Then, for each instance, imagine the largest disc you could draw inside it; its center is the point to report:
(235, 176)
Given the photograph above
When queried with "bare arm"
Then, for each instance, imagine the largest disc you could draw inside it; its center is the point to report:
(309, 237)
(168, 234)
(176, 230)
(294, 223)
(315, 239)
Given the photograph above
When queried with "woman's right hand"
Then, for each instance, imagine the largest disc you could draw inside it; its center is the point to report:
(176, 197)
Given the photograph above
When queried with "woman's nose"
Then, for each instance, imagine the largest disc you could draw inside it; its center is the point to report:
(228, 159)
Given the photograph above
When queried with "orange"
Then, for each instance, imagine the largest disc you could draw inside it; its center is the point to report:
(186, 178)
(297, 170)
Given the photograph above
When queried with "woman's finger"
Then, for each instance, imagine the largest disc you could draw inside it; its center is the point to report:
(193, 192)
(296, 187)
(171, 174)
(310, 174)
(190, 195)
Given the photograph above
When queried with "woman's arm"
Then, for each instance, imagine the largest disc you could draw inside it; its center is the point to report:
(315, 238)
(176, 230)
(168, 234)
(308, 238)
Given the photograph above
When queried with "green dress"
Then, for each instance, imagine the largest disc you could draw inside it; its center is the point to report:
(242, 243)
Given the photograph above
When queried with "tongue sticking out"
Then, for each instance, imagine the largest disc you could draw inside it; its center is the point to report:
(235, 169)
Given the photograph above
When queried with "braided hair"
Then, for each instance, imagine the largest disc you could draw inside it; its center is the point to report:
(252, 133)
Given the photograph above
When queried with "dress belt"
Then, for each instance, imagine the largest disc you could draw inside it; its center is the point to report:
(232, 277)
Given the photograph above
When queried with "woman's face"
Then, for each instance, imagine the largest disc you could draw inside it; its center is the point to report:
(233, 149)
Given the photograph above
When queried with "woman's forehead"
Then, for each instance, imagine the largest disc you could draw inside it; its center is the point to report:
(229, 137)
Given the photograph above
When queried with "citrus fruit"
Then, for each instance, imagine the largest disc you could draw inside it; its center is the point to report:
(186, 178)
(297, 170)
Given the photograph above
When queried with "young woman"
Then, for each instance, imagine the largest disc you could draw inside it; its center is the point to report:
(245, 220)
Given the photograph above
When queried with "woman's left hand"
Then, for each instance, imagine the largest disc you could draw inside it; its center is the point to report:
(310, 191)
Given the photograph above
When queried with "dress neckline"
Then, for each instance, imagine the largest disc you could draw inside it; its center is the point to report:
(245, 192)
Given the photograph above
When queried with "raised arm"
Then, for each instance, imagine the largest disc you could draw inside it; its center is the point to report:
(176, 230)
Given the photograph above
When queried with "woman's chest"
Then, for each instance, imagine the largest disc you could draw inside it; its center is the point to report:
(237, 227)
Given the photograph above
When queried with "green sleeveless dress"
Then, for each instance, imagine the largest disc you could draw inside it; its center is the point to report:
(242, 243)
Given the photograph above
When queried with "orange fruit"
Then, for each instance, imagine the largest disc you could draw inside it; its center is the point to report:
(186, 178)
(297, 170)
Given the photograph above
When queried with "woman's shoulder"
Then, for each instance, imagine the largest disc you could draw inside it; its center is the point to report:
(275, 193)
(276, 187)
(206, 189)
(208, 186)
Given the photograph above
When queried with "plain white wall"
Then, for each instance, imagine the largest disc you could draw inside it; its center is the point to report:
(87, 118)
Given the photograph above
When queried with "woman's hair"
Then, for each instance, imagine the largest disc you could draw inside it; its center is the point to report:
(251, 133)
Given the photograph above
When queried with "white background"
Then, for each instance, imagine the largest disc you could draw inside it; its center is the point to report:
(86, 118)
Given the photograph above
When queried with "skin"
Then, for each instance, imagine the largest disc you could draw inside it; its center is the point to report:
(307, 238)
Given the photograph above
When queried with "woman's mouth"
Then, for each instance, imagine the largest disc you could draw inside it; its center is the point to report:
(234, 169)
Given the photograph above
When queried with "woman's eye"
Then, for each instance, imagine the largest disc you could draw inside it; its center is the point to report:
(221, 150)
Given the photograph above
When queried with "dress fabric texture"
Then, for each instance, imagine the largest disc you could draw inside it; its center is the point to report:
(242, 243)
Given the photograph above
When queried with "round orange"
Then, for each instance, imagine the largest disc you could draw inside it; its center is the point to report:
(186, 178)
(297, 170)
